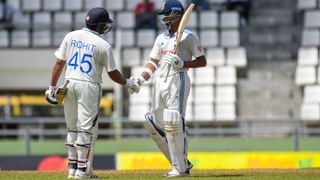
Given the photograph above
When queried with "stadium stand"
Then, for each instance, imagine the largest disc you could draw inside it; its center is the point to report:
(307, 70)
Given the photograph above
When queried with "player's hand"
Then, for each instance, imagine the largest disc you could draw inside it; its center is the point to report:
(133, 85)
(175, 61)
(50, 96)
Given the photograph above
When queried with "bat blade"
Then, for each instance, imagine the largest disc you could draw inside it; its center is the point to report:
(61, 92)
(183, 22)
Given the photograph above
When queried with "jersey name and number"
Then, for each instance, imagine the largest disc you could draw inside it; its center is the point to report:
(81, 61)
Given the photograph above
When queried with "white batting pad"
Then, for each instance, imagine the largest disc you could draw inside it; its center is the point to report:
(83, 144)
(157, 135)
(176, 139)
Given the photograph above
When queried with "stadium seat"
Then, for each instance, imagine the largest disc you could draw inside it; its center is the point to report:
(145, 37)
(191, 96)
(109, 37)
(16, 4)
(158, 4)
(310, 112)
(310, 37)
(208, 19)
(62, 20)
(137, 112)
(41, 38)
(308, 56)
(237, 57)
(4, 38)
(52, 5)
(230, 38)
(143, 97)
(189, 114)
(209, 38)
(131, 57)
(318, 74)
(215, 56)
(193, 21)
(58, 37)
(204, 112)
(225, 94)
(191, 74)
(20, 38)
(113, 5)
(31, 5)
(146, 55)
(79, 19)
(21, 21)
(305, 75)
(225, 112)
(127, 37)
(125, 19)
(307, 4)
(131, 4)
(205, 75)
(42, 20)
(311, 94)
(229, 19)
(73, 5)
(226, 75)
(204, 94)
(92, 4)
(311, 19)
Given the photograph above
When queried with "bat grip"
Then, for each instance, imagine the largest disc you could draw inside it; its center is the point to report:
(165, 79)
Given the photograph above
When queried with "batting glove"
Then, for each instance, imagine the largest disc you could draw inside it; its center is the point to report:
(175, 61)
(50, 97)
(133, 85)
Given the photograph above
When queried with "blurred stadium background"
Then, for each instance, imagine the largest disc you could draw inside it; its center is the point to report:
(259, 92)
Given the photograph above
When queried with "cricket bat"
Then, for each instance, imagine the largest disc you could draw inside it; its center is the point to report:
(183, 22)
(61, 92)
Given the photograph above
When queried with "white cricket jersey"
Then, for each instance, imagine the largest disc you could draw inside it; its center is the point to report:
(189, 48)
(86, 54)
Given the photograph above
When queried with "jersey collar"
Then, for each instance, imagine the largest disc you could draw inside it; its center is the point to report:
(94, 32)
(170, 35)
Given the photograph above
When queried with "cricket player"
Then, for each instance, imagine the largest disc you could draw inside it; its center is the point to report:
(85, 54)
(166, 120)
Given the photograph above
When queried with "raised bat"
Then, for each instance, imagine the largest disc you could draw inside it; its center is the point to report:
(183, 22)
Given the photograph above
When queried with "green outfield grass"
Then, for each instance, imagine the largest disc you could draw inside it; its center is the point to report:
(56, 146)
(301, 174)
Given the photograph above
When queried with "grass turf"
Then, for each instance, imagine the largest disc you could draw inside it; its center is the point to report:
(299, 174)
(56, 146)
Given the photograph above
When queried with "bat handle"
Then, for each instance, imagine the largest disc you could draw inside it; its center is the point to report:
(165, 79)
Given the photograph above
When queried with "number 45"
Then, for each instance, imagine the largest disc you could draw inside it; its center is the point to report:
(85, 62)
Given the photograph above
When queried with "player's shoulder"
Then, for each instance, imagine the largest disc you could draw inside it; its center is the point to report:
(189, 33)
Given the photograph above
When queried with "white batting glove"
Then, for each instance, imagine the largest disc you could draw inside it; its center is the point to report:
(175, 61)
(50, 97)
(133, 85)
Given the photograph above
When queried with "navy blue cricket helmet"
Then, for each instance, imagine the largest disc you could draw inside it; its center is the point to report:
(172, 11)
(97, 16)
(171, 6)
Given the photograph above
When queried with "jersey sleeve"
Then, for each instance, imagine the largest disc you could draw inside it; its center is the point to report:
(195, 45)
(109, 60)
(155, 52)
(60, 53)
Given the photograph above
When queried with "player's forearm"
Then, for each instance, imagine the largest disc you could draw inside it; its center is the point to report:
(149, 69)
(56, 72)
(117, 77)
(199, 62)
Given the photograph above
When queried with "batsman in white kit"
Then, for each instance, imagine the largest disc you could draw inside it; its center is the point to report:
(84, 54)
(166, 120)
